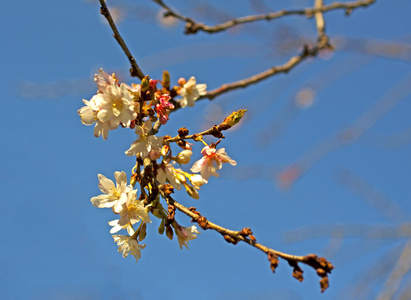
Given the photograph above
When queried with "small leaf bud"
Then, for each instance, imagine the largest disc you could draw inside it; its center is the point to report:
(145, 83)
(169, 232)
(232, 119)
(166, 80)
(182, 131)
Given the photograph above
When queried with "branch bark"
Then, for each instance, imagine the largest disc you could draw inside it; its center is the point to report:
(320, 264)
(193, 27)
(135, 70)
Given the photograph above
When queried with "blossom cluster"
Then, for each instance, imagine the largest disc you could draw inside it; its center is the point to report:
(144, 108)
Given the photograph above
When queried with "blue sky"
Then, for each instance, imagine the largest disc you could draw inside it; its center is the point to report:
(56, 245)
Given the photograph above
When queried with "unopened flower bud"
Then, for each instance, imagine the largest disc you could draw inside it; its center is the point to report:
(169, 232)
(180, 177)
(182, 131)
(164, 150)
(232, 119)
(181, 81)
(183, 157)
(153, 84)
(145, 83)
(143, 232)
(192, 192)
(161, 228)
(166, 80)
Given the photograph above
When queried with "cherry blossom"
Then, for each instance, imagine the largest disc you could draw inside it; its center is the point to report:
(211, 162)
(88, 115)
(131, 212)
(102, 79)
(146, 142)
(116, 106)
(114, 196)
(191, 92)
(185, 234)
(128, 244)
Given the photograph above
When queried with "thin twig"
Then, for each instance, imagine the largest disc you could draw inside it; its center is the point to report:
(320, 23)
(321, 265)
(135, 70)
(285, 68)
(234, 234)
(211, 131)
(193, 27)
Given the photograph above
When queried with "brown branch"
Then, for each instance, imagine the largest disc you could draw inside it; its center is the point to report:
(320, 264)
(135, 70)
(320, 23)
(285, 68)
(214, 131)
(193, 27)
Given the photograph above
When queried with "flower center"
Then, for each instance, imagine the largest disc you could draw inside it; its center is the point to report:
(189, 90)
(115, 193)
(117, 104)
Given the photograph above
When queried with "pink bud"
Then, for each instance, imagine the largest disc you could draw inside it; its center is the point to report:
(181, 81)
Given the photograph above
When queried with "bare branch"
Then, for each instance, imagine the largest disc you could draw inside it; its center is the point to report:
(285, 68)
(135, 70)
(320, 23)
(320, 264)
(193, 27)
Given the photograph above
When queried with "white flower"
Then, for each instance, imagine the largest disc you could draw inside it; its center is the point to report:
(113, 105)
(185, 234)
(168, 172)
(197, 181)
(183, 157)
(116, 106)
(145, 143)
(128, 244)
(131, 212)
(191, 92)
(113, 195)
(117, 227)
(211, 162)
(88, 115)
(103, 79)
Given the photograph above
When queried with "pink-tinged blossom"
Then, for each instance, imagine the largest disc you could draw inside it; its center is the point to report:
(163, 108)
(191, 92)
(128, 244)
(114, 196)
(211, 162)
(131, 212)
(146, 142)
(185, 234)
